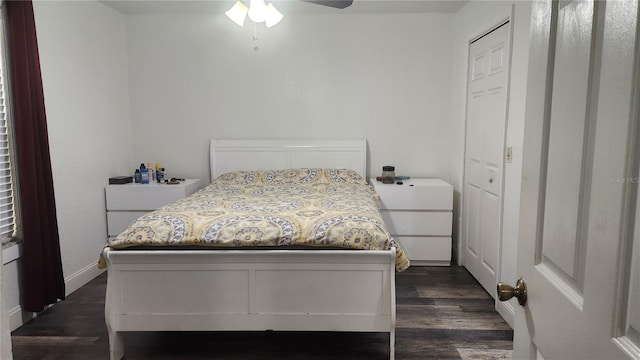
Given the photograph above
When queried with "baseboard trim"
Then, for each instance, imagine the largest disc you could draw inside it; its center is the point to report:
(18, 316)
(80, 278)
(507, 310)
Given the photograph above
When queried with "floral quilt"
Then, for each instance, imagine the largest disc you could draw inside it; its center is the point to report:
(294, 207)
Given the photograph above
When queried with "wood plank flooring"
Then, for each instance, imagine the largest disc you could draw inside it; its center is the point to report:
(442, 313)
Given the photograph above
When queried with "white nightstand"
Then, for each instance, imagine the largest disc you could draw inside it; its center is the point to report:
(419, 215)
(127, 202)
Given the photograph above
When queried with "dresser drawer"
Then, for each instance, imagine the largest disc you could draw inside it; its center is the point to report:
(419, 249)
(117, 221)
(416, 194)
(418, 222)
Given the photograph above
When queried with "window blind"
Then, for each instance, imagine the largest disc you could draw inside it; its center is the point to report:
(7, 221)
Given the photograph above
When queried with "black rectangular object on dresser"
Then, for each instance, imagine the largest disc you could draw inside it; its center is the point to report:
(120, 180)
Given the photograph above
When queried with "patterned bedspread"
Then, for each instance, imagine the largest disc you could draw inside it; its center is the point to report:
(299, 207)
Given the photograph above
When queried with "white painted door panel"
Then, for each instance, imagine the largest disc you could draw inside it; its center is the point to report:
(578, 240)
(484, 154)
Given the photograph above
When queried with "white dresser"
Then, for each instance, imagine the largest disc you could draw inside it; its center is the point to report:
(419, 215)
(127, 202)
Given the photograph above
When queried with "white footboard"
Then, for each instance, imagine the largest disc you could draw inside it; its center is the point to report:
(226, 290)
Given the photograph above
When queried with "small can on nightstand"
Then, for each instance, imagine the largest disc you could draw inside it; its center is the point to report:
(388, 174)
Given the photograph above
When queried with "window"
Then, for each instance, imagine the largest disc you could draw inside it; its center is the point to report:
(7, 208)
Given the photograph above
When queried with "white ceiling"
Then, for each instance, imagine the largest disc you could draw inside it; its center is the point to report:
(286, 6)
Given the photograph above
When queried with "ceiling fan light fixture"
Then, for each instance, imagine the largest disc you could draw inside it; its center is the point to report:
(257, 11)
(238, 13)
(273, 15)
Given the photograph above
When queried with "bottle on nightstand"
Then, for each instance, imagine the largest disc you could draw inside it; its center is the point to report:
(144, 174)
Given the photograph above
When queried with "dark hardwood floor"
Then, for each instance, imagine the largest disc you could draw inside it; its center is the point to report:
(442, 313)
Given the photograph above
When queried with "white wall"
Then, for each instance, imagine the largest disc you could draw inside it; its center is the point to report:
(474, 19)
(84, 73)
(386, 78)
(5, 330)
(515, 138)
(12, 281)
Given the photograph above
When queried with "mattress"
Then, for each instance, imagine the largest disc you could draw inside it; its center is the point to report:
(310, 208)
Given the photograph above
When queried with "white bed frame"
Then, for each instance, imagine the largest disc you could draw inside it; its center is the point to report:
(230, 290)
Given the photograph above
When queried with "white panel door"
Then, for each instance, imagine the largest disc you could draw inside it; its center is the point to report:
(484, 154)
(578, 248)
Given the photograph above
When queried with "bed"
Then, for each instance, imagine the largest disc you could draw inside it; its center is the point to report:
(205, 284)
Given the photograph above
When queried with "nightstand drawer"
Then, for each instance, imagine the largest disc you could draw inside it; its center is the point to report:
(118, 221)
(419, 249)
(418, 222)
(416, 194)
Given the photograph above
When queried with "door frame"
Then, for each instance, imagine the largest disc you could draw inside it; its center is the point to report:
(505, 309)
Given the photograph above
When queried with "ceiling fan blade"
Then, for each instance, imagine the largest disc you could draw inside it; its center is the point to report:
(340, 4)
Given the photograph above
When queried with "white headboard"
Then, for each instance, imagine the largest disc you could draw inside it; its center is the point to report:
(232, 155)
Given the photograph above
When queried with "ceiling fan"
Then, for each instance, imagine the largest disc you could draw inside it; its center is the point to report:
(258, 11)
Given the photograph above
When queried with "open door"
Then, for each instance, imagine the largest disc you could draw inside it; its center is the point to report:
(579, 243)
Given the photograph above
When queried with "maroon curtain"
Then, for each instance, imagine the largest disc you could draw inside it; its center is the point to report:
(43, 281)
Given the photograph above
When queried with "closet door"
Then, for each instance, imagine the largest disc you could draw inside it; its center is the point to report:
(484, 154)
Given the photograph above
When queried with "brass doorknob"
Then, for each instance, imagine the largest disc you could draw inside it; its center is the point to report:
(506, 292)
